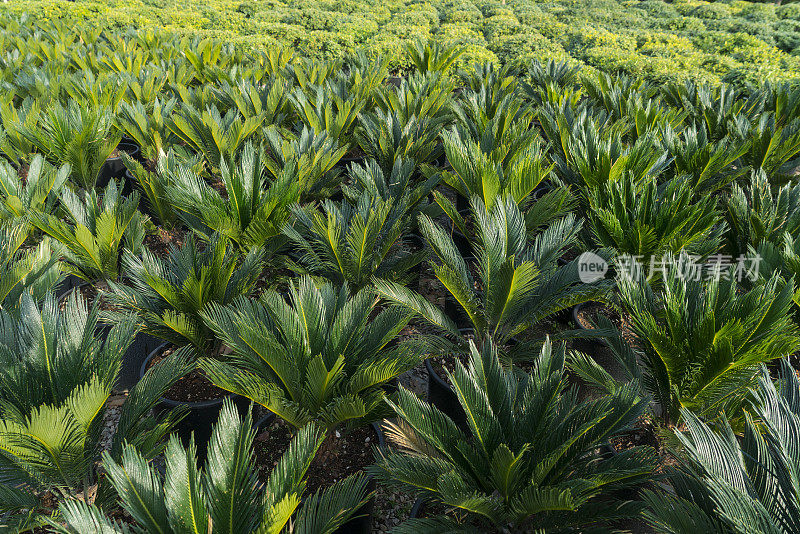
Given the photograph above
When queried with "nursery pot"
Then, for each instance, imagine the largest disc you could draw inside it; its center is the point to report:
(138, 350)
(202, 415)
(394, 81)
(441, 395)
(114, 168)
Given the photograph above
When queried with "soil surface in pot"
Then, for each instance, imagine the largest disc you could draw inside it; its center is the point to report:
(194, 387)
(159, 242)
(337, 458)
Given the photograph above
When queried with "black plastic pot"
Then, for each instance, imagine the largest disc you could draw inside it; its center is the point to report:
(346, 161)
(138, 350)
(441, 395)
(417, 509)
(114, 168)
(202, 415)
(395, 81)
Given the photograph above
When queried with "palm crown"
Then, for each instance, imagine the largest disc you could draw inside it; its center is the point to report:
(643, 218)
(528, 460)
(518, 283)
(352, 243)
(252, 211)
(319, 357)
(96, 230)
(168, 294)
(700, 342)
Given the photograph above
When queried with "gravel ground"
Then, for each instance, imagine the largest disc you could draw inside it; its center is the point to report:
(393, 507)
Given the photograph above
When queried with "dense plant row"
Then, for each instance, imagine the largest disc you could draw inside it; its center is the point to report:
(261, 245)
(734, 41)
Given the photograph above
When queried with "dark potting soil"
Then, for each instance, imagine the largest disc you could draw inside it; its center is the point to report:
(194, 387)
(337, 458)
(159, 242)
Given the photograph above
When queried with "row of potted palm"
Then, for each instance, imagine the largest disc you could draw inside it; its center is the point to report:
(276, 229)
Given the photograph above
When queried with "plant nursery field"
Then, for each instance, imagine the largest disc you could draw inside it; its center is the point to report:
(733, 41)
(354, 267)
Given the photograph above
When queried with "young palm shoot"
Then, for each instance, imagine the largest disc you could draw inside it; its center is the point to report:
(529, 460)
(223, 496)
(95, 230)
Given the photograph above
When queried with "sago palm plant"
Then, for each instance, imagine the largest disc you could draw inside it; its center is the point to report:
(33, 270)
(224, 495)
(770, 145)
(529, 460)
(351, 244)
(213, 134)
(56, 378)
(147, 125)
(730, 484)
(38, 190)
(407, 191)
(94, 230)
(82, 136)
(310, 156)
(701, 338)
(761, 214)
(14, 123)
(518, 284)
(168, 294)
(482, 168)
(647, 219)
(709, 163)
(323, 356)
(433, 56)
(252, 211)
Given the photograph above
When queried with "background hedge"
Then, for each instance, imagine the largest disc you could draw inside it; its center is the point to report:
(731, 41)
